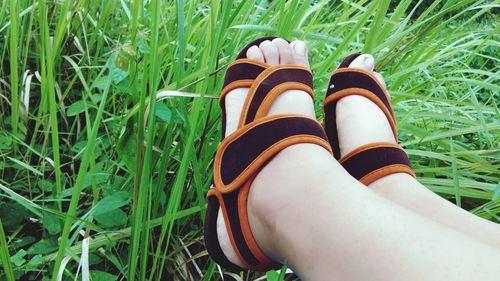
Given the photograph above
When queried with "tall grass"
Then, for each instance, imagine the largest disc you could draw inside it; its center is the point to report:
(4, 256)
(112, 138)
(14, 74)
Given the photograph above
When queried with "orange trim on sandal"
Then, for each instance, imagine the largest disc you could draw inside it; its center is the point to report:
(385, 171)
(277, 91)
(367, 147)
(369, 73)
(222, 207)
(249, 61)
(244, 83)
(264, 261)
(262, 76)
(260, 160)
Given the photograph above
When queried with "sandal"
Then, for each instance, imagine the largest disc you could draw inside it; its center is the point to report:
(373, 161)
(244, 153)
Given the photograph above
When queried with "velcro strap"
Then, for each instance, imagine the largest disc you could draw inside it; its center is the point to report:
(243, 153)
(241, 73)
(370, 162)
(270, 84)
(344, 79)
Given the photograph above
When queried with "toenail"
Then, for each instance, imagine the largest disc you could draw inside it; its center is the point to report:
(267, 42)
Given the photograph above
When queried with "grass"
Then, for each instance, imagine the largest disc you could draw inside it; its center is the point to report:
(97, 143)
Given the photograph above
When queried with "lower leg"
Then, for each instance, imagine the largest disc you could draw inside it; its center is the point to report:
(409, 193)
(325, 225)
(372, 126)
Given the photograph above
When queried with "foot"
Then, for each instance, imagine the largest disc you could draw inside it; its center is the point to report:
(372, 126)
(359, 112)
(275, 52)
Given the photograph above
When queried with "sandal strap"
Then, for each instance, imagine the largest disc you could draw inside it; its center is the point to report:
(244, 152)
(373, 161)
(241, 73)
(210, 235)
(239, 159)
(356, 81)
(353, 81)
(241, 155)
(233, 207)
(271, 83)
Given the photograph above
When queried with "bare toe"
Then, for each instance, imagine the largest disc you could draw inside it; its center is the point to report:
(285, 51)
(300, 54)
(255, 53)
(270, 51)
(364, 61)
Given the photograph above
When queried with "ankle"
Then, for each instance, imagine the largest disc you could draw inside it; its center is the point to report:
(279, 189)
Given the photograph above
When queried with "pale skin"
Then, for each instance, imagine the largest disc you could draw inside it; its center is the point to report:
(313, 216)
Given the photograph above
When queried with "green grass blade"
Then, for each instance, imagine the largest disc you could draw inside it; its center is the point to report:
(13, 58)
(82, 172)
(373, 37)
(4, 255)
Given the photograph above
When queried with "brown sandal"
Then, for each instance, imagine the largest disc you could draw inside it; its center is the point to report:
(375, 160)
(243, 154)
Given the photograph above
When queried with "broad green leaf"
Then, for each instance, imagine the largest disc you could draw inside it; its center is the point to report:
(12, 214)
(51, 222)
(111, 203)
(126, 149)
(96, 275)
(163, 112)
(112, 218)
(44, 246)
(76, 108)
(35, 260)
(18, 258)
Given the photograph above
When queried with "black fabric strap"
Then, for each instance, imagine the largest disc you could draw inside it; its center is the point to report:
(210, 236)
(331, 128)
(236, 72)
(241, 152)
(278, 76)
(342, 80)
(371, 159)
(242, 70)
